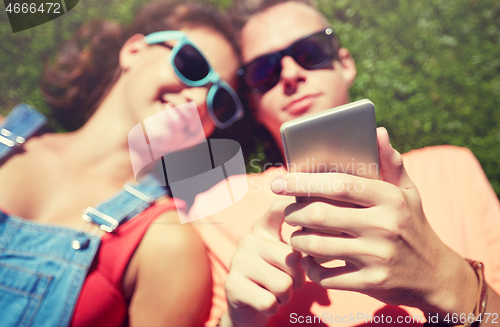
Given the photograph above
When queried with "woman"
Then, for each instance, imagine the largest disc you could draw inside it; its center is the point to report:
(58, 269)
(400, 246)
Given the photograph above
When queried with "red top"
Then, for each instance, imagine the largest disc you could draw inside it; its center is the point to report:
(101, 301)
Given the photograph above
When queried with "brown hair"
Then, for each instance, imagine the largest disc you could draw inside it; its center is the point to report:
(87, 65)
(243, 10)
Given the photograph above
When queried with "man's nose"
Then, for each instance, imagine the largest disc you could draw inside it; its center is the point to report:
(291, 74)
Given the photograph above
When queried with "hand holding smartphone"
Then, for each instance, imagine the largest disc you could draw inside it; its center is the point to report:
(342, 139)
(339, 140)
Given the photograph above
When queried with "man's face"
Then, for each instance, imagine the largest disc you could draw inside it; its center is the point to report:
(299, 91)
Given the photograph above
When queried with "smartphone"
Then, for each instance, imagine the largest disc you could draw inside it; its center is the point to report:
(342, 139)
(338, 140)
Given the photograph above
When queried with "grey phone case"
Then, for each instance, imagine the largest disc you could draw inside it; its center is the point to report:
(342, 139)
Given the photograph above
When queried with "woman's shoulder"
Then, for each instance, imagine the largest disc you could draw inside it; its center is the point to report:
(168, 239)
(168, 231)
(172, 274)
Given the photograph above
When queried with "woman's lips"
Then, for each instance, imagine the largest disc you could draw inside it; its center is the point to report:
(301, 105)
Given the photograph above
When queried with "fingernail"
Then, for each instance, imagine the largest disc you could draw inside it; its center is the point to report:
(278, 186)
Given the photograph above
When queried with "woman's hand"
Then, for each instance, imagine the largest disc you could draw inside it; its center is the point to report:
(264, 271)
(390, 250)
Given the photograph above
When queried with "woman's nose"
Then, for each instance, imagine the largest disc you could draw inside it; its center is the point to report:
(198, 95)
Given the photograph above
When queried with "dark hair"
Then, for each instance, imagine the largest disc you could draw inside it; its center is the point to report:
(243, 10)
(87, 65)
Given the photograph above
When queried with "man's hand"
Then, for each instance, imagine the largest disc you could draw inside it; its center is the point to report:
(264, 271)
(390, 250)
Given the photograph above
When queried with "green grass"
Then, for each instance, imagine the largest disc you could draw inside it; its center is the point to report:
(431, 67)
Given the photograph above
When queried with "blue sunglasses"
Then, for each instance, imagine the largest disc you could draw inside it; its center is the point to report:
(191, 67)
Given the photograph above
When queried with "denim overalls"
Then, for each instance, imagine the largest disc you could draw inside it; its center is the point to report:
(43, 267)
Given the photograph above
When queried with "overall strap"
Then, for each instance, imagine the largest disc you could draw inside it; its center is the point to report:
(21, 123)
(130, 201)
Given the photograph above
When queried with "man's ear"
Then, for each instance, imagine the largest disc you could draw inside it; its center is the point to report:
(348, 65)
(130, 51)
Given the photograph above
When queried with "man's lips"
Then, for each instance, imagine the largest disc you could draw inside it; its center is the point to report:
(300, 105)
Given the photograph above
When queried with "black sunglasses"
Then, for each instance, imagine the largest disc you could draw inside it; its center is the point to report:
(313, 51)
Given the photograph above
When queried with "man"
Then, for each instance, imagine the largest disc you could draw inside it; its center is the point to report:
(395, 252)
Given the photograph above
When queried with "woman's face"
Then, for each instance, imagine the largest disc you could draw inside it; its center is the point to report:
(151, 85)
(299, 91)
